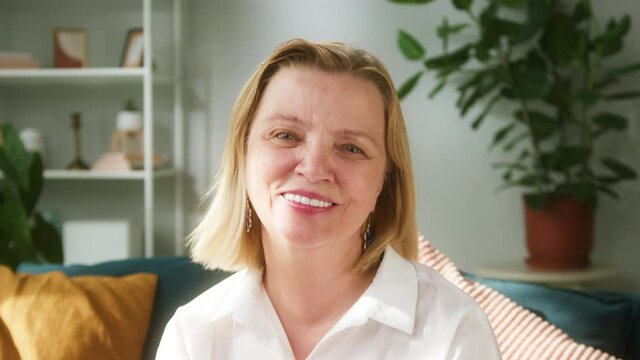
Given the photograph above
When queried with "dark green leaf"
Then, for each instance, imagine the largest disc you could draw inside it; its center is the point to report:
(584, 192)
(620, 169)
(542, 126)
(411, 1)
(445, 30)
(623, 95)
(511, 144)
(510, 166)
(409, 85)
(561, 40)
(462, 4)
(610, 121)
(608, 191)
(480, 118)
(438, 88)
(531, 84)
(14, 224)
(536, 201)
(35, 182)
(582, 11)
(611, 41)
(588, 97)
(16, 157)
(47, 240)
(449, 62)
(570, 156)
(625, 69)
(410, 47)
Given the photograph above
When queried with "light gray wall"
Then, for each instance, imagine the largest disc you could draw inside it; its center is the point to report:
(458, 209)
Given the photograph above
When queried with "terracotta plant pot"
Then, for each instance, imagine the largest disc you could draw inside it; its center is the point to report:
(560, 236)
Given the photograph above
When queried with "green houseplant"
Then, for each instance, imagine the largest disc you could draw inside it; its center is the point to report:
(551, 66)
(25, 235)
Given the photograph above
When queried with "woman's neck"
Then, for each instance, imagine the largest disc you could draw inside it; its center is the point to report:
(311, 289)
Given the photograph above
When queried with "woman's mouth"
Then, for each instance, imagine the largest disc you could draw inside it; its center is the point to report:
(304, 200)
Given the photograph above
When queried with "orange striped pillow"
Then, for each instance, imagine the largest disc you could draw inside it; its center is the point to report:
(521, 334)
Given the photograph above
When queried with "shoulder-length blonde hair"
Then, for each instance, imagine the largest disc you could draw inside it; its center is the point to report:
(221, 240)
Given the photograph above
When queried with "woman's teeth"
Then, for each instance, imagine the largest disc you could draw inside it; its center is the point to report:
(306, 201)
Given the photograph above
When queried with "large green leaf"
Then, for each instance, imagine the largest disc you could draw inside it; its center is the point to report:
(14, 224)
(410, 47)
(34, 183)
(15, 158)
(581, 12)
(561, 41)
(621, 170)
(409, 85)
(610, 121)
(47, 240)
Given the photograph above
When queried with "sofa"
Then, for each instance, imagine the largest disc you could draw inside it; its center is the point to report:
(608, 321)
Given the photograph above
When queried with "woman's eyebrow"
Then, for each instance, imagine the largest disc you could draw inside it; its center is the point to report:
(360, 134)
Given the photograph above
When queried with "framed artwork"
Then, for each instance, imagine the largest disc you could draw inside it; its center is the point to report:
(70, 47)
(133, 51)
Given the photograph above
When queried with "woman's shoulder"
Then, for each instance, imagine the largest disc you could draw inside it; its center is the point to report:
(433, 286)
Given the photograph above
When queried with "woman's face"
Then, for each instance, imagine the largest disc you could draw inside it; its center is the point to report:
(315, 157)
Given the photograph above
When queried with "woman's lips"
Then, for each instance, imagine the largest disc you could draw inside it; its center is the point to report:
(307, 201)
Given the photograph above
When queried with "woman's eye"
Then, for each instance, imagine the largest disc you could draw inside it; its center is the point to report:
(353, 149)
(285, 136)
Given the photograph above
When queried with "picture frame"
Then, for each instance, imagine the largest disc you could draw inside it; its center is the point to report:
(133, 50)
(70, 47)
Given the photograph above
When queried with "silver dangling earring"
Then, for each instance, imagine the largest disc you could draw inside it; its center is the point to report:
(367, 237)
(247, 216)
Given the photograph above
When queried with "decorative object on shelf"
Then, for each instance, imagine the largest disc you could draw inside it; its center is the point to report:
(550, 65)
(133, 51)
(33, 141)
(70, 48)
(127, 143)
(25, 235)
(17, 60)
(77, 163)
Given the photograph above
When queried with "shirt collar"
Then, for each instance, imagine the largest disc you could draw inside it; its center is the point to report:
(390, 299)
(393, 294)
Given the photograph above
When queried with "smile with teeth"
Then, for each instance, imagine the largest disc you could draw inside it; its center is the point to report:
(306, 201)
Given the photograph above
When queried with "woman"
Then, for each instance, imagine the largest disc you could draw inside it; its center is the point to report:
(314, 203)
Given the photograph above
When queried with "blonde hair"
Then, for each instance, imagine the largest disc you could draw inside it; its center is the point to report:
(221, 240)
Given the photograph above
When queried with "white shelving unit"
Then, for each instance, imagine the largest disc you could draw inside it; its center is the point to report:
(22, 87)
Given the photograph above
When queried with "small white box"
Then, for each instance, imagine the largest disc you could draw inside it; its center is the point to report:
(90, 242)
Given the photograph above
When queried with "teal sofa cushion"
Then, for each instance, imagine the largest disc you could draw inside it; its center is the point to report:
(607, 321)
(179, 281)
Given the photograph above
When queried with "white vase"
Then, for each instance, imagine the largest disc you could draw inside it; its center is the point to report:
(129, 121)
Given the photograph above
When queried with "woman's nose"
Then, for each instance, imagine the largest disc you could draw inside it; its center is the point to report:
(316, 163)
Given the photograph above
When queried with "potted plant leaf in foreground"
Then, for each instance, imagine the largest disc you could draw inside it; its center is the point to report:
(551, 65)
(25, 235)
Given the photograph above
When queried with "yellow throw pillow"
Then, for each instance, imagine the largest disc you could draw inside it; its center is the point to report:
(52, 316)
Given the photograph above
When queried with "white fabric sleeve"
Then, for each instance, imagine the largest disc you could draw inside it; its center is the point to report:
(172, 346)
(474, 338)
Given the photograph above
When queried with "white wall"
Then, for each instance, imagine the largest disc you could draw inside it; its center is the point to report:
(457, 207)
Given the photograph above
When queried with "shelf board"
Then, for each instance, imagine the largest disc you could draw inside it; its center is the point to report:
(77, 76)
(59, 174)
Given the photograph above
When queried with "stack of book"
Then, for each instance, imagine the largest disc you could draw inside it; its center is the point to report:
(17, 60)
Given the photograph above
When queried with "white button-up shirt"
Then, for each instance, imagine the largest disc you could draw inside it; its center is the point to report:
(408, 312)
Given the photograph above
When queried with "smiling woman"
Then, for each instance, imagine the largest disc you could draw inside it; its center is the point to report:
(314, 203)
